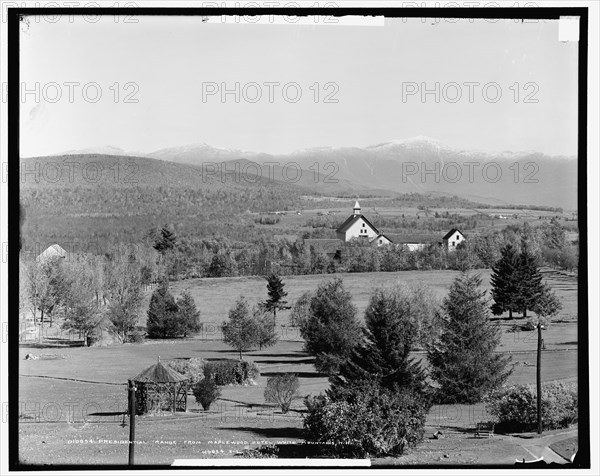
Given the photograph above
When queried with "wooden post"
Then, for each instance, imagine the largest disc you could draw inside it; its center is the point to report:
(131, 421)
(539, 378)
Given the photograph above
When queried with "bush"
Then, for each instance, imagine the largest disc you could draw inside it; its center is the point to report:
(228, 372)
(136, 337)
(282, 389)
(206, 392)
(191, 368)
(515, 407)
(267, 220)
(368, 421)
(265, 451)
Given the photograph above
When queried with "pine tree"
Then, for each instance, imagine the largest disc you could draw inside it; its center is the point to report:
(165, 240)
(162, 312)
(187, 314)
(529, 280)
(391, 330)
(276, 295)
(462, 360)
(505, 282)
(331, 331)
(241, 330)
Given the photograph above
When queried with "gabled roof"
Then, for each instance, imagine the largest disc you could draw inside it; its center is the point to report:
(158, 373)
(451, 232)
(351, 220)
(380, 235)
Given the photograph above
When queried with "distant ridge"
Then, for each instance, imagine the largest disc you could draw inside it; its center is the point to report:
(420, 164)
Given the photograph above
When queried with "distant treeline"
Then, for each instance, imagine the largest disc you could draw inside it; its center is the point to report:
(184, 258)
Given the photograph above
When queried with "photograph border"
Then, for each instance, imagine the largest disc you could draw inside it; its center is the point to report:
(542, 13)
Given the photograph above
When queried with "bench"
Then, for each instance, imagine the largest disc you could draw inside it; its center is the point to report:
(485, 428)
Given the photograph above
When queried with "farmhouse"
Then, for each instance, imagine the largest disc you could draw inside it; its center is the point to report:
(357, 226)
(452, 239)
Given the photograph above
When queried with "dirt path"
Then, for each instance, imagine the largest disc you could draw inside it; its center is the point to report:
(540, 447)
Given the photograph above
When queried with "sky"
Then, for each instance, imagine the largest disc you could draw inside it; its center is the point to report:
(160, 82)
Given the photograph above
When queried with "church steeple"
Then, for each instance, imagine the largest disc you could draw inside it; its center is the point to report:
(356, 208)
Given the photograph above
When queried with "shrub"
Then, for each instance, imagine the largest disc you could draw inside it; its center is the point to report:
(530, 325)
(368, 421)
(264, 451)
(515, 407)
(267, 220)
(228, 372)
(282, 389)
(136, 337)
(192, 368)
(206, 392)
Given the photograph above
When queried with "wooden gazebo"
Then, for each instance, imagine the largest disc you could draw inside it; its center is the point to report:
(159, 389)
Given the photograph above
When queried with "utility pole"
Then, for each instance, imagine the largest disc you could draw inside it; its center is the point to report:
(131, 421)
(539, 378)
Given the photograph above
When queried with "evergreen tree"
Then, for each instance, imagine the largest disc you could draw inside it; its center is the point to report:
(187, 314)
(164, 240)
(462, 360)
(331, 331)
(162, 312)
(276, 295)
(505, 282)
(241, 330)
(529, 280)
(383, 357)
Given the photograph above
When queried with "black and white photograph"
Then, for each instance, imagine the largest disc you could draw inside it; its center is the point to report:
(299, 235)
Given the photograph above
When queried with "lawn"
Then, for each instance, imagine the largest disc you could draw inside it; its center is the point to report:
(71, 408)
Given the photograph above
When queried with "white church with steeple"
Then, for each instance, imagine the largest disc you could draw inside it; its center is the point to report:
(358, 227)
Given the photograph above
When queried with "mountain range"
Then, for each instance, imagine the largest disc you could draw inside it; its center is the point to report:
(419, 164)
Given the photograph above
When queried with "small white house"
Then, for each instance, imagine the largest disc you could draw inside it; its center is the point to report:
(381, 240)
(452, 239)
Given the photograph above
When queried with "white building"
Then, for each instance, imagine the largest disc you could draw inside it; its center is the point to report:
(357, 226)
(452, 239)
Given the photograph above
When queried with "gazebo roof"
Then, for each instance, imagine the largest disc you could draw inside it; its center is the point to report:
(158, 373)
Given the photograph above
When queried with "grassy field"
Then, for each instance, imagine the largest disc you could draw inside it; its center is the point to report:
(71, 409)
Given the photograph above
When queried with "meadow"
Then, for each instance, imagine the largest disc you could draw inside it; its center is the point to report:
(71, 409)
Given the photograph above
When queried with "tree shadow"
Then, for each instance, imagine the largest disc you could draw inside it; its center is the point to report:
(285, 432)
(54, 344)
(290, 354)
(246, 404)
(298, 374)
(310, 360)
